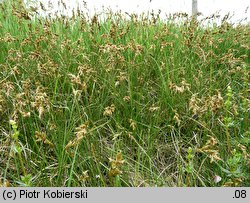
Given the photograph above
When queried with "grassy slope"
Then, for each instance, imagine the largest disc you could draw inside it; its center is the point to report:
(161, 103)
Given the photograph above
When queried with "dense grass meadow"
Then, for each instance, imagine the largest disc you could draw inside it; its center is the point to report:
(123, 101)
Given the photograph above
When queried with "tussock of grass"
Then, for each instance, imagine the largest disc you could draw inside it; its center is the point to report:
(122, 102)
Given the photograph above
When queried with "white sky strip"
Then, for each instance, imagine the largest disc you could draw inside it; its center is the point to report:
(206, 7)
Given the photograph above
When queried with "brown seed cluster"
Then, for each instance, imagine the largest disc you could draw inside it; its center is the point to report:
(211, 150)
(109, 110)
(116, 165)
(80, 133)
(199, 106)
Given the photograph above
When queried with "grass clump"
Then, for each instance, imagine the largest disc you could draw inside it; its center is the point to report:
(122, 102)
